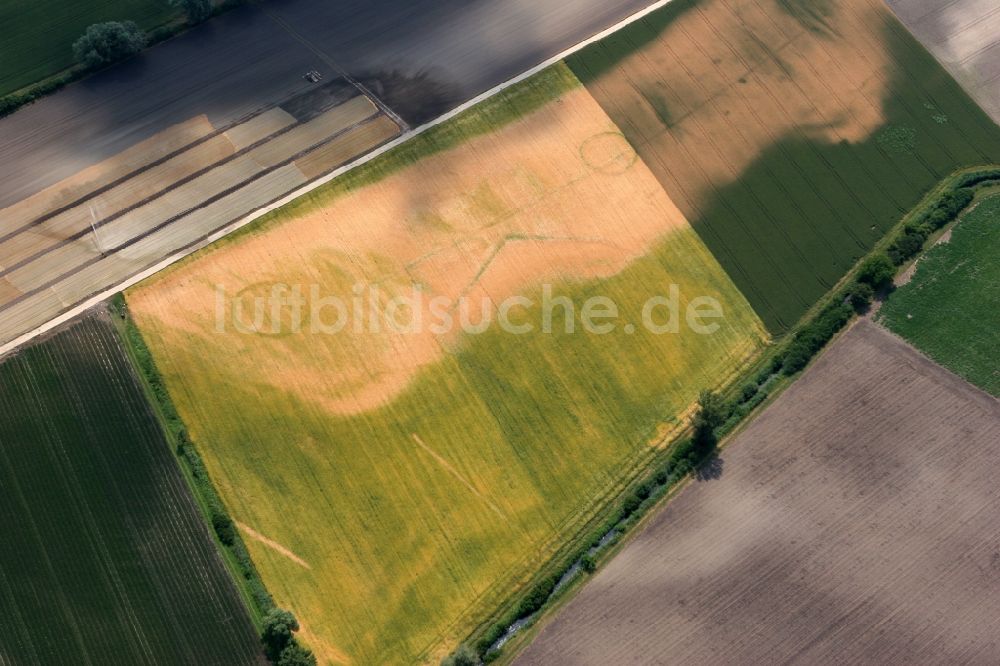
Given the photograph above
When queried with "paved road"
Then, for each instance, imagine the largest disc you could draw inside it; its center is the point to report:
(422, 57)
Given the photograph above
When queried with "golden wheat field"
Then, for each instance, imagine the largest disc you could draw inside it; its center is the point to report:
(394, 485)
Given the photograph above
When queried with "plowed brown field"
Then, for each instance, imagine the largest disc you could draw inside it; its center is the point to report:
(855, 521)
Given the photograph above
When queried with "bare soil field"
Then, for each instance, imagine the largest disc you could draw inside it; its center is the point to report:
(791, 133)
(123, 215)
(854, 522)
(964, 35)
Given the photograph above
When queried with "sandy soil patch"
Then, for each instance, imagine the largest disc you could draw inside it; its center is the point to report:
(854, 522)
(729, 78)
(558, 195)
(248, 133)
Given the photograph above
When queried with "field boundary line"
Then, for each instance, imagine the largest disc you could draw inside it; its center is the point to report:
(90, 302)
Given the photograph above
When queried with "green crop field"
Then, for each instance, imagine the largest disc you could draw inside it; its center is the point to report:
(104, 558)
(38, 35)
(393, 490)
(792, 133)
(949, 309)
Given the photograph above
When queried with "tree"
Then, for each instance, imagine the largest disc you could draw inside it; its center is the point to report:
(105, 43)
(296, 655)
(860, 294)
(463, 656)
(196, 10)
(223, 526)
(877, 271)
(712, 413)
(277, 633)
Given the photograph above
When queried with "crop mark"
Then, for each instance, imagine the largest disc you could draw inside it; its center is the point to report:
(273, 545)
(454, 472)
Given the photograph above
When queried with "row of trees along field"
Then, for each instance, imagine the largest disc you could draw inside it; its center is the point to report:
(113, 41)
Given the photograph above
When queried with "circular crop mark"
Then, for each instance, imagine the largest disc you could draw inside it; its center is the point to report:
(608, 153)
(264, 308)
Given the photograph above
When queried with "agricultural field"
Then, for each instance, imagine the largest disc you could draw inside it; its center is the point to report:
(104, 558)
(115, 219)
(948, 310)
(791, 133)
(854, 521)
(39, 34)
(395, 484)
(964, 36)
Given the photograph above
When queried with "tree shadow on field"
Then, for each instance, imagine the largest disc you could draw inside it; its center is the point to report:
(711, 470)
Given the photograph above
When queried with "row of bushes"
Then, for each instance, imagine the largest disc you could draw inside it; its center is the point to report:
(878, 270)
(911, 240)
(978, 178)
(222, 524)
(716, 417)
(277, 625)
(14, 101)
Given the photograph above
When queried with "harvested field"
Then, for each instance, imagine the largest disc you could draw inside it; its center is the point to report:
(105, 558)
(964, 35)
(948, 310)
(429, 472)
(104, 174)
(110, 223)
(792, 133)
(854, 522)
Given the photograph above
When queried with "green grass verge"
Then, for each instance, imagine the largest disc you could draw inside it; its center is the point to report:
(252, 589)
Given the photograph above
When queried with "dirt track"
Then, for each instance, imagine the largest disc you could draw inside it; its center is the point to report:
(854, 522)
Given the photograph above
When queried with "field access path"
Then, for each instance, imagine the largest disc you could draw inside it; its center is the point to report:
(150, 159)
